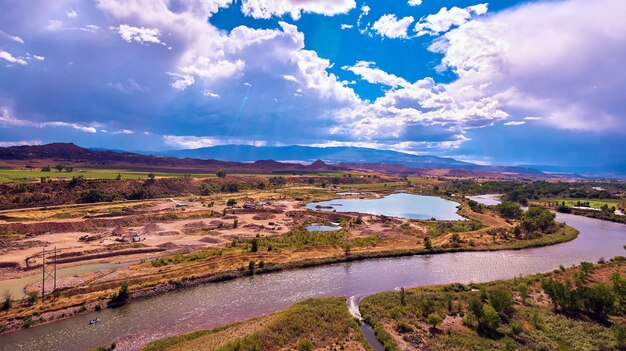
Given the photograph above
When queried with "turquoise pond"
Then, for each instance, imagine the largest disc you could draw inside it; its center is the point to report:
(395, 205)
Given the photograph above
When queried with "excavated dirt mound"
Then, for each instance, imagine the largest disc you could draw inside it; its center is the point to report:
(120, 231)
(151, 229)
(211, 240)
(168, 233)
(168, 246)
(263, 216)
(196, 225)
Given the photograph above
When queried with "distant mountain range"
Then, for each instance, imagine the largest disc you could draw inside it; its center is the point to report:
(72, 155)
(617, 170)
(336, 155)
(250, 159)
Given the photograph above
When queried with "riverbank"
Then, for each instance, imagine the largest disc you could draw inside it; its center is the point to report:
(96, 297)
(523, 317)
(522, 313)
(323, 323)
(187, 310)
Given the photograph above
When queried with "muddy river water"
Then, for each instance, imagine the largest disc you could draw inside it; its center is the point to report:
(213, 305)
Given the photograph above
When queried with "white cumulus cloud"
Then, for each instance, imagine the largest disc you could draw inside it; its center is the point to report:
(139, 34)
(445, 19)
(269, 8)
(392, 27)
(375, 75)
(559, 60)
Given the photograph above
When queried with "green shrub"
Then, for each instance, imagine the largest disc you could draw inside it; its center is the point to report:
(8, 300)
(32, 296)
(619, 331)
(502, 301)
(305, 345)
(489, 321)
(120, 297)
(523, 291)
(434, 319)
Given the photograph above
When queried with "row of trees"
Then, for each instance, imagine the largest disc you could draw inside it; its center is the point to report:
(58, 168)
(597, 301)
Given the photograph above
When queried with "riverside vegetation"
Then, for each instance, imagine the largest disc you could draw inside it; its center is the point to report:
(577, 308)
(311, 324)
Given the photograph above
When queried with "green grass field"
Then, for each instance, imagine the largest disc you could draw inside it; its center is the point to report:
(594, 203)
(9, 175)
(22, 175)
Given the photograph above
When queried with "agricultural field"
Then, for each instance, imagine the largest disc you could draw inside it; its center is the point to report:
(23, 175)
(593, 203)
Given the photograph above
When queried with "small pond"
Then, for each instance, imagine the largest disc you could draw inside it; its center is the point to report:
(322, 228)
(395, 205)
(487, 199)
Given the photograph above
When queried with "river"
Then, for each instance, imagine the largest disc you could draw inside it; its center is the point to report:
(213, 305)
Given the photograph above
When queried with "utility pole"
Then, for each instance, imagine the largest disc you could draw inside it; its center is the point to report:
(43, 274)
(48, 274)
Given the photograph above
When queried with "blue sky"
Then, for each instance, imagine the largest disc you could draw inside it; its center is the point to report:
(500, 82)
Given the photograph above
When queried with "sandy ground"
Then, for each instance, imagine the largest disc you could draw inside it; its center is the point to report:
(189, 234)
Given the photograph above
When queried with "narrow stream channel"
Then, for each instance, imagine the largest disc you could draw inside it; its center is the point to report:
(366, 329)
(214, 305)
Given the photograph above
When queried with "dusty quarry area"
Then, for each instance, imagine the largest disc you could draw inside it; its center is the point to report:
(143, 231)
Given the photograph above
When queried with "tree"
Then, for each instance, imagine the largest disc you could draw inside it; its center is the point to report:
(509, 210)
(59, 168)
(46, 169)
(489, 321)
(121, 296)
(427, 305)
(231, 202)
(119, 176)
(235, 223)
(346, 250)
(501, 300)
(434, 319)
(359, 220)
(586, 268)
(537, 219)
(151, 176)
(255, 245)
(599, 301)
(523, 291)
(402, 297)
(427, 244)
(220, 173)
(476, 307)
(251, 265)
(230, 187)
(619, 289)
